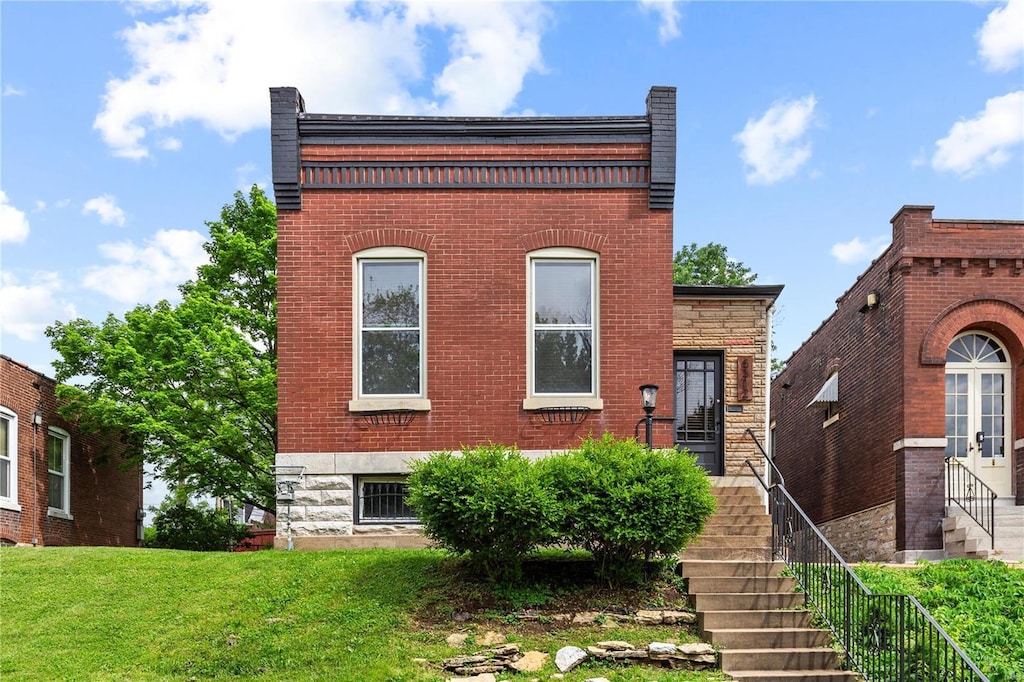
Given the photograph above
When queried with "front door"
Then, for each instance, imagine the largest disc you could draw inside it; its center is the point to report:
(698, 409)
(978, 409)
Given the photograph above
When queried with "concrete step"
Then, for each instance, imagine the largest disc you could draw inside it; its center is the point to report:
(793, 675)
(739, 509)
(737, 493)
(727, 553)
(782, 658)
(768, 638)
(753, 528)
(759, 521)
(742, 601)
(736, 584)
(715, 540)
(754, 618)
(696, 568)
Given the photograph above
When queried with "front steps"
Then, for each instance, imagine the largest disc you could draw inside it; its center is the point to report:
(963, 538)
(745, 607)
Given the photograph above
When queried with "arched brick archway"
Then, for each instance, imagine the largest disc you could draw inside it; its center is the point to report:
(1001, 317)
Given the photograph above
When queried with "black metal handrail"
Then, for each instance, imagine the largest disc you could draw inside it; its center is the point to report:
(771, 462)
(970, 493)
(886, 637)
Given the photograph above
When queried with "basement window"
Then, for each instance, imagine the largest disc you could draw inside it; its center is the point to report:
(383, 499)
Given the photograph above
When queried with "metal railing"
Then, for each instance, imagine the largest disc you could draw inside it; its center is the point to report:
(886, 637)
(971, 494)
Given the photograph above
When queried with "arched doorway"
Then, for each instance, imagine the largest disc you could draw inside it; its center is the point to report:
(978, 414)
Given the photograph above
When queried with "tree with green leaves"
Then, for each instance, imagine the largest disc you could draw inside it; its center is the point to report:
(709, 264)
(191, 387)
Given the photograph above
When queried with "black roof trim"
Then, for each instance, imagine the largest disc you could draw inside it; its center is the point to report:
(770, 291)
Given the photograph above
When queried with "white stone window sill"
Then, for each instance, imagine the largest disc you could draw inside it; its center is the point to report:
(59, 514)
(378, 404)
(10, 505)
(544, 402)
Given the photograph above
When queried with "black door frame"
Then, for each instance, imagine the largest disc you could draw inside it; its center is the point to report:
(717, 467)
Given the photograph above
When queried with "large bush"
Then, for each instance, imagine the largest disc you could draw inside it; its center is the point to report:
(488, 503)
(626, 503)
(198, 527)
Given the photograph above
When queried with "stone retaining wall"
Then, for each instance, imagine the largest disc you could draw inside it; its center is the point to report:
(869, 535)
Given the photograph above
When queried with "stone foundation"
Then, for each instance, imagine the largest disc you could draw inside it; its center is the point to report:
(868, 535)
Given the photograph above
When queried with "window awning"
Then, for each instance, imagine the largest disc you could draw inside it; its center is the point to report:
(829, 392)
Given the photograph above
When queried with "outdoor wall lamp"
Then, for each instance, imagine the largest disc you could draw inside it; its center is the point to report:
(871, 302)
(37, 419)
(649, 398)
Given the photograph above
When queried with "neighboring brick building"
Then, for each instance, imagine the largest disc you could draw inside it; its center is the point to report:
(722, 342)
(58, 485)
(923, 353)
(456, 281)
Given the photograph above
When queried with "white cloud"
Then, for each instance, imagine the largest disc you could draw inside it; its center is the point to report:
(13, 221)
(985, 141)
(857, 251)
(105, 206)
(212, 62)
(773, 146)
(1001, 39)
(668, 12)
(169, 144)
(248, 175)
(27, 309)
(148, 273)
(12, 91)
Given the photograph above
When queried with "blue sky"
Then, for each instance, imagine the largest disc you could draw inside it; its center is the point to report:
(803, 126)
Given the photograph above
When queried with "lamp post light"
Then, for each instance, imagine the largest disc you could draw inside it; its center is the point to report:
(649, 397)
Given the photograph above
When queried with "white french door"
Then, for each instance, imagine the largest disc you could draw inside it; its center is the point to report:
(978, 409)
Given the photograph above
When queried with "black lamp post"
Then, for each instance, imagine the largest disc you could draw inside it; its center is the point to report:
(649, 396)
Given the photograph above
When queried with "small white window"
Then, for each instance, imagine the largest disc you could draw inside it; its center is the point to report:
(58, 465)
(382, 499)
(563, 338)
(390, 323)
(8, 459)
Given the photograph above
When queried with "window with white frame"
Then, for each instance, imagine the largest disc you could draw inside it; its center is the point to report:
(8, 458)
(563, 335)
(58, 465)
(390, 343)
(383, 499)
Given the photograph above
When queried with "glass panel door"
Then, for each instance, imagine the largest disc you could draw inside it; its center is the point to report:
(698, 409)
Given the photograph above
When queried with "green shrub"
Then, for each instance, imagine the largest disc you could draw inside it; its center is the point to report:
(197, 527)
(627, 504)
(487, 503)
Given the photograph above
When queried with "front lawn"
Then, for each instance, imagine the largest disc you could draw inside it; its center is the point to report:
(126, 614)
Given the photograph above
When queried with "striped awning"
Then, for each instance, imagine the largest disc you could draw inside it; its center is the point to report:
(829, 393)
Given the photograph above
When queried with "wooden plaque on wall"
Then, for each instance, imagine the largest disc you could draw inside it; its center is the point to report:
(744, 378)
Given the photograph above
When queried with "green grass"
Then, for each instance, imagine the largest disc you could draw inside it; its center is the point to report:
(125, 614)
(980, 604)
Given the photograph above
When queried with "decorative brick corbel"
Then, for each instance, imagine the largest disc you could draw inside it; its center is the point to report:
(936, 265)
(990, 268)
(1018, 266)
(962, 266)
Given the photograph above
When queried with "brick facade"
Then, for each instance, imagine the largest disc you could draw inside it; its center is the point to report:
(937, 279)
(104, 499)
(736, 323)
(476, 199)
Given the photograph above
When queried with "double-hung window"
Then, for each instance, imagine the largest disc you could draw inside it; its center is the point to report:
(390, 342)
(58, 464)
(563, 335)
(8, 459)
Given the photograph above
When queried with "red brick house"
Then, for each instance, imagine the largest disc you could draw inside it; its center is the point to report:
(454, 281)
(58, 485)
(921, 361)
